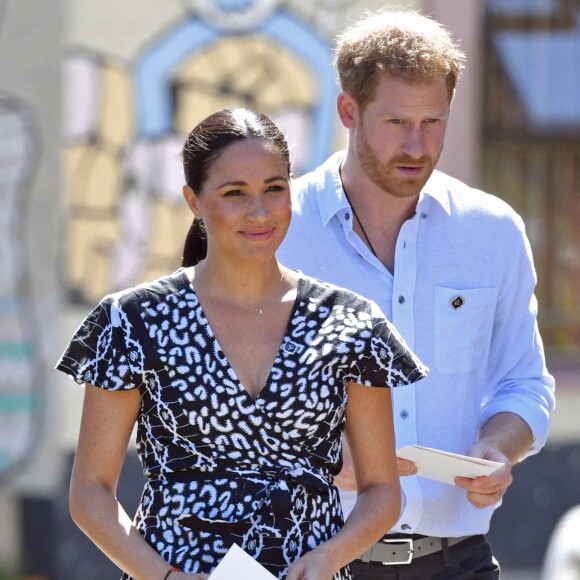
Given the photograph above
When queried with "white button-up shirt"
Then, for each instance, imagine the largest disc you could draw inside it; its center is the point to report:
(462, 296)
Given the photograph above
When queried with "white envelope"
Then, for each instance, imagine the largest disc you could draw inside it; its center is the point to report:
(238, 565)
(445, 466)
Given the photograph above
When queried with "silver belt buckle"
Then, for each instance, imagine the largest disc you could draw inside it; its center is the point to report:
(408, 541)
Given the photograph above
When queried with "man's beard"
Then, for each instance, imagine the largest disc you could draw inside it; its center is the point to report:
(384, 173)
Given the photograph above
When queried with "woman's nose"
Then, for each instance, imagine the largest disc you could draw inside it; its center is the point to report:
(258, 209)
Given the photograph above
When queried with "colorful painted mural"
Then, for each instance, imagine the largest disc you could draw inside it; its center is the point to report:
(126, 117)
(19, 381)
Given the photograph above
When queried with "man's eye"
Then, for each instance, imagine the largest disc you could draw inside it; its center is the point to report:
(395, 121)
(431, 120)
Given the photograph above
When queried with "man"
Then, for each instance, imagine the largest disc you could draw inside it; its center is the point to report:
(450, 266)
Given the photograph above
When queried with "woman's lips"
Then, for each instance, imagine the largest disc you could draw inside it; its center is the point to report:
(261, 234)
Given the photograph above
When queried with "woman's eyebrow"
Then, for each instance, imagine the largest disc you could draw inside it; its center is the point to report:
(242, 183)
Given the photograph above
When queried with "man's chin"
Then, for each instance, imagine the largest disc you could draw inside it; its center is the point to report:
(406, 188)
(411, 186)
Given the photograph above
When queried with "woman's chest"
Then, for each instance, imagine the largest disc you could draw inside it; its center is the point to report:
(198, 395)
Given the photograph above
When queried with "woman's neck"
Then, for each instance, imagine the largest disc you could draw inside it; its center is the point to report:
(244, 283)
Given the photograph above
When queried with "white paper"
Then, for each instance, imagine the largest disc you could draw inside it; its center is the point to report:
(445, 466)
(238, 565)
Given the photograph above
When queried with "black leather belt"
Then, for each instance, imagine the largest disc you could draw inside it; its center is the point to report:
(391, 551)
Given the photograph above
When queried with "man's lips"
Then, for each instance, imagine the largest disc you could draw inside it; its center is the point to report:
(411, 170)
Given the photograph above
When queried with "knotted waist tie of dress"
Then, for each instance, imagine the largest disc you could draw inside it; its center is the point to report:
(269, 488)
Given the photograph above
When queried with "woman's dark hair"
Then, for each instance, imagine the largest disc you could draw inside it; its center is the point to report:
(202, 148)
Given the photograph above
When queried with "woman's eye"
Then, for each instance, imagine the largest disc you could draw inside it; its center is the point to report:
(233, 193)
(274, 188)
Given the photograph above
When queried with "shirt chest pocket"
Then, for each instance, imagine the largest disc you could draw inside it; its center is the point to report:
(463, 327)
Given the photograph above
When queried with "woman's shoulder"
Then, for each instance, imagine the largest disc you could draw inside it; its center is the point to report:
(322, 291)
(151, 291)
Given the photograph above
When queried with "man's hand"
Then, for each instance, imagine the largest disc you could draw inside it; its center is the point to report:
(345, 479)
(504, 438)
(487, 490)
(406, 467)
(313, 565)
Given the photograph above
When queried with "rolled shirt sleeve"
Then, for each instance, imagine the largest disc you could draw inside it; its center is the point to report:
(519, 381)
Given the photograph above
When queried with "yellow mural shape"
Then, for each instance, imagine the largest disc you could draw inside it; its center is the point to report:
(252, 71)
(116, 122)
(127, 219)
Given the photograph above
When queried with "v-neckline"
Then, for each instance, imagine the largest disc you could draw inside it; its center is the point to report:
(293, 311)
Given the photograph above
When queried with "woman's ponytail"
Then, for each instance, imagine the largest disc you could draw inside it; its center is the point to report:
(195, 245)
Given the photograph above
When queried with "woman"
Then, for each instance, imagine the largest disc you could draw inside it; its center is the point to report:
(240, 374)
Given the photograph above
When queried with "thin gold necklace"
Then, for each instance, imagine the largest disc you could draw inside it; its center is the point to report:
(256, 309)
(359, 223)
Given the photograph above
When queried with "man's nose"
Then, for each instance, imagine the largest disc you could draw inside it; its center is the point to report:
(415, 142)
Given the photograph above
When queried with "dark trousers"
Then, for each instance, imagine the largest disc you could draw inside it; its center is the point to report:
(471, 559)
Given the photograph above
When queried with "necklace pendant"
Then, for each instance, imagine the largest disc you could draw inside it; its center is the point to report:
(259, 310)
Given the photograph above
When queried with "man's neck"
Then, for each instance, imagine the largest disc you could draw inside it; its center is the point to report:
(382, 214)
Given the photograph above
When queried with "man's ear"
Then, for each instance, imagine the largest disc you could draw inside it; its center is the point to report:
(347, 109)
(451, 97)
(192, 201)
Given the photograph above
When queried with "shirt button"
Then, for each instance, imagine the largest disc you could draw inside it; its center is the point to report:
(424, 216)
(346, 216)
(405, 527)
(401, 299)
(404, 414)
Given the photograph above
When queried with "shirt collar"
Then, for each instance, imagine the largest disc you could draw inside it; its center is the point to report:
(329, 191)
(331, 198)
(437, 189)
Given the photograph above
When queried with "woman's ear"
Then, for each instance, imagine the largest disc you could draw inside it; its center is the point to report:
(192, 201)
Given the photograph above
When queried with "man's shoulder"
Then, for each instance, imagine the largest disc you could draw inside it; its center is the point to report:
(304, 191)
(471, 202)
(307, 187)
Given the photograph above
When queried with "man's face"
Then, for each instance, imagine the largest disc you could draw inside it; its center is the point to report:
(399, 134)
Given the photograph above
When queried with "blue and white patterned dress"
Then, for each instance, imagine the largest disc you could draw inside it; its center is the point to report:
(221, 466)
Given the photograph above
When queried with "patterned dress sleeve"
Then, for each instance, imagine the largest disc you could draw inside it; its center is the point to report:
(389, 362)
(103, 350)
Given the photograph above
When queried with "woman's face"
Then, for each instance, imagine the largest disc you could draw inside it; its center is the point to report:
(245, 202)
